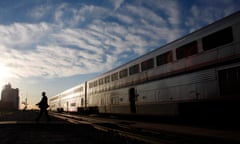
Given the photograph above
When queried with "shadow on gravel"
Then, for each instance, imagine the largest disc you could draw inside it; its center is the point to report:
(57, 134)
(20, 127)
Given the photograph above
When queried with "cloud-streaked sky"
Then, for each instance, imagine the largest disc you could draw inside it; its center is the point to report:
(52, 45)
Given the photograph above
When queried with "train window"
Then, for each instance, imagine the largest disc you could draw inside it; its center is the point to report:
(91, 85)
(101, 81)
(123, 73)
(164, 58)
(115, 100)
(148, 64)
(114, 76)
(186, 50)
(107, 79)
(73, 104)
(134, 69)
(95, 83)
(219, 38)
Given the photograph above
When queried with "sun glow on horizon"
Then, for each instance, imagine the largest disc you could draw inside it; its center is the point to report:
(5, 74)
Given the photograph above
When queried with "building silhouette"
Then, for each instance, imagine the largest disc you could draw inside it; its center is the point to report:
(9, 98)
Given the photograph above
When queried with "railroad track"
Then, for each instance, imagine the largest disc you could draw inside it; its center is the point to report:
(142, 134)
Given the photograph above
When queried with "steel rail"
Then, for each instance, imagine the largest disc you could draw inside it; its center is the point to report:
(168, 134)
(122, 130)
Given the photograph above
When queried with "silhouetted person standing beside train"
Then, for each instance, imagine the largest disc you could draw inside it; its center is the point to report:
(43, 105)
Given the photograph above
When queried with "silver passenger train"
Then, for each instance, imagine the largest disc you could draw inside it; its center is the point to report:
(197, 73)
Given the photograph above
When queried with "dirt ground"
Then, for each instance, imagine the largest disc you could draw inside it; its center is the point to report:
(20, 128)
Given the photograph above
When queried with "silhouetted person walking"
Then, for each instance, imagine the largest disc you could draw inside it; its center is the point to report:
(43, 105)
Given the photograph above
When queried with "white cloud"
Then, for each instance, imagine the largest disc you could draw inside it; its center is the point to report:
(68, 16)
(213, 11)
(125, 18)
(82, 40)
(146, 14)
(53, 61)
(56, 57)
(22, 35)
(169, 8)
(116, 3)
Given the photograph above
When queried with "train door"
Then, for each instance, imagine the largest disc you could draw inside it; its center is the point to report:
(229, 83)
(82, 102)
(103, 104)
(132, 99)
(67, 106)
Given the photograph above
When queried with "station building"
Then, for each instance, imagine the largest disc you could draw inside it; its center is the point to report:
(9, 98)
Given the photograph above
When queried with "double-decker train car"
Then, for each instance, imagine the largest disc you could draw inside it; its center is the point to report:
(69, 100)
(198, 73)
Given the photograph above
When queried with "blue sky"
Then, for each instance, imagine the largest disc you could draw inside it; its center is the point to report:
(53, 45)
